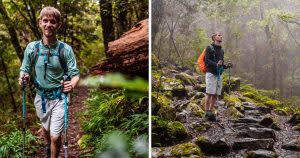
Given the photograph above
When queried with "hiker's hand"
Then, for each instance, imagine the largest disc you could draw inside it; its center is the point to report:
(229, 65)
(24, 78)
(67, 86)
(220, 62)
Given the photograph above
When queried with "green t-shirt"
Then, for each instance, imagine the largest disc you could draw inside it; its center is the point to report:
(54, 71)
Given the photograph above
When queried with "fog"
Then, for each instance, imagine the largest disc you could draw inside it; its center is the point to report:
(260, 37)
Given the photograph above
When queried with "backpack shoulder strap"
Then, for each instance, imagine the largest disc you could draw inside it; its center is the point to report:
(36, 53)
(61, 57)
(214, 52)
(212, 48)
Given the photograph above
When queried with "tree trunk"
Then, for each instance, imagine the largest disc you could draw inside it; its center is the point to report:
(273, 55)
(12, 31)
(107, 22)
(128, 54)
(122, 14)
(8, 84)
(157, 11)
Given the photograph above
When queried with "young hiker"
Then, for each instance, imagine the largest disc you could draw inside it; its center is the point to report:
(214, 62)
(50, 59)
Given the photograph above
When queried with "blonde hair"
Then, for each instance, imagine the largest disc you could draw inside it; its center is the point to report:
(50, 11)
(214, 35)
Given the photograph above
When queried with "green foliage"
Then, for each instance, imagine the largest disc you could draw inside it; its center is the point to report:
(114, 114)
(262, 97)
(11, 144)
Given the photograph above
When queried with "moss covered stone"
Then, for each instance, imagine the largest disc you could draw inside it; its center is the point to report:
(200, 126)
(272, 103)
(195, 109)
(234, 84)
(186, 78)
(155, 61)
(232, 100)
(165, 132)
(233, 112)
(186, 150)
(175, 86)
(161, 106)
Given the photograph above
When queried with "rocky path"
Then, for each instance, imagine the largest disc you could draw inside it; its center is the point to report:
(74, 131)
(243, 129)
(260, 132)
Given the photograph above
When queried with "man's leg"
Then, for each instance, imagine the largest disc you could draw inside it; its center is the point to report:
(213, 102)
(55, 146)
(46, 135)
(207, 102)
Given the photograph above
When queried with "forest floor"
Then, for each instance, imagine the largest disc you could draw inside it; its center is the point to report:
(244, 128)
(79, 95)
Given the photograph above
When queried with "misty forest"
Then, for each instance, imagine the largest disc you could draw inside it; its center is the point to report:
(258, 112)
(106, 117)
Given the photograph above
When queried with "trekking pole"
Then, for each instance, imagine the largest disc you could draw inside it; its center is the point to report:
(24, 113)
(229, 79)
(65, 146)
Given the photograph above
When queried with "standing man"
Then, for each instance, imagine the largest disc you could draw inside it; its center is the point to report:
(49, 60)
(214, 62)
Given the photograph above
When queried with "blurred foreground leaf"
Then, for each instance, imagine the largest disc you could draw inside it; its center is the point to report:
(116, 80)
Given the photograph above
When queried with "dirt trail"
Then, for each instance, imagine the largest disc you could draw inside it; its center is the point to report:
(74, 130)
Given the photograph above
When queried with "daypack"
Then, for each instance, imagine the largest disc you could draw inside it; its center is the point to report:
(37, 54)
(201, 62)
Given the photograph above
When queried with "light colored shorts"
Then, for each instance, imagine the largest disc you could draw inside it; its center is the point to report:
(53, 119)
(211, 84)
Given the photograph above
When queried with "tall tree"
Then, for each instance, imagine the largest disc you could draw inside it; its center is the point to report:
(107, 22)
(12, 31)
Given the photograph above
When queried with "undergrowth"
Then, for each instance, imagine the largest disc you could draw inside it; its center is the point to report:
(116, 121)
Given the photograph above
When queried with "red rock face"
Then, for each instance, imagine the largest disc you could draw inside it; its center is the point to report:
(128, 54)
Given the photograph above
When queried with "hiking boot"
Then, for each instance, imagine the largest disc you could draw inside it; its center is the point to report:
(47, 151)
(212, 117)
(207, 114)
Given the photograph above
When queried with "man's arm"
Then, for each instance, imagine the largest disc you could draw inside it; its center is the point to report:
(70, 85)
(25, 68)
(73, 71)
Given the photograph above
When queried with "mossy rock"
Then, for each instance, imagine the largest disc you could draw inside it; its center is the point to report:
(186, 150)
(186, 78)
(165, 132)
(233, 112)
(235, 83)
(231, 100)
(200, 88)
(156, 78)
(200, 126)
(272, 103)
(251, 95)
(195, 109)
(270, 121)
(154, 62)
(175, 86)
(161, 106)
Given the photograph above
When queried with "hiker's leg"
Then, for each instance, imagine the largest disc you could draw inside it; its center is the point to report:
(56, 126)
(55, 146)
(46, 135)
(213, 102)
(207, 102)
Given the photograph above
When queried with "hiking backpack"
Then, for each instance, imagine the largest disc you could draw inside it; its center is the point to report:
(201, 62)
(37, 54)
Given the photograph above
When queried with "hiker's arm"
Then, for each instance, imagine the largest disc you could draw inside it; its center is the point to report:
(25, 68)
(73, 71)
(208, 58)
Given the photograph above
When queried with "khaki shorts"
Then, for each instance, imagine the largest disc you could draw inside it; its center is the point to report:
(53, 119)
(211, 84)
